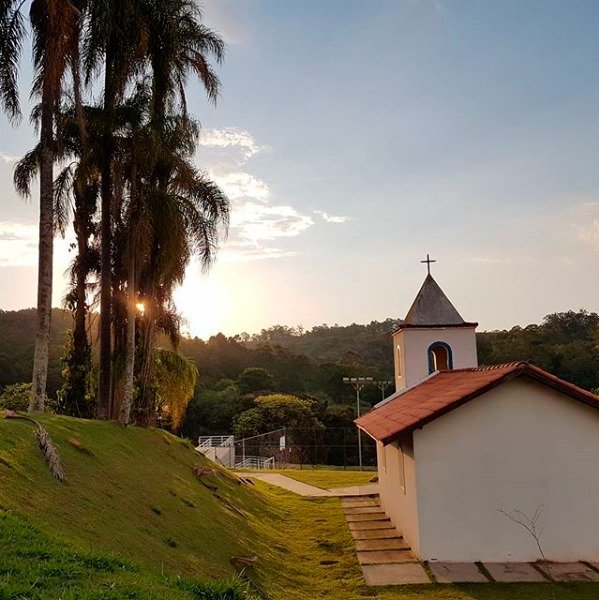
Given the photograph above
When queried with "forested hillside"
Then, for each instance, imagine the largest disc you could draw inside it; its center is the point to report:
(17, 341)
(567, 344)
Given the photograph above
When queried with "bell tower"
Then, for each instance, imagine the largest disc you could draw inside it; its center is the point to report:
(432, 337)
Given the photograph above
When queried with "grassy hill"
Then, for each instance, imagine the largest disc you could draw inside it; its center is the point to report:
(133, 521)
(131, 493)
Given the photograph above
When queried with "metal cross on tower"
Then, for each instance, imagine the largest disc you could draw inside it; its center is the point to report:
(428, 262)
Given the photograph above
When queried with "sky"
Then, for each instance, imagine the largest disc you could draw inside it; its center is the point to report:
(353, 137)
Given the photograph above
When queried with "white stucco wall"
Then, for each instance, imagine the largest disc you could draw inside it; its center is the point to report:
(411, 362)
(397, 487)
(518, 447)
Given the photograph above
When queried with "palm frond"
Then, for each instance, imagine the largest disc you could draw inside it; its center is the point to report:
(63, 187)
(12, 32)
(26, 170)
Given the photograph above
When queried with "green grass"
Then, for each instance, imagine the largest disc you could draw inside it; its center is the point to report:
(132, 521)
(326, 479)
(131, 493)
(316, 533)
(32, 566)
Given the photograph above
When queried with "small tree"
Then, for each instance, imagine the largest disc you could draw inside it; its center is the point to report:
(77, 396)
(255, 379)
(272, 412)
(176, 379)
(16, 397)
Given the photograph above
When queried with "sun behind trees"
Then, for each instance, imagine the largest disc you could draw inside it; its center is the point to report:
(141, 209)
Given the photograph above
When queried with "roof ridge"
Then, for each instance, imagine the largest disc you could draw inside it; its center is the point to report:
(514, 364)
(432, 307)
(415, 407)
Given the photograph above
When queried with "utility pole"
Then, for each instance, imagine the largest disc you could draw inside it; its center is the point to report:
(358, 384)
(382, 385)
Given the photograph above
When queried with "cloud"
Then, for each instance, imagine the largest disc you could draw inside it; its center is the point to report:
(257, 222)
(8, 158)
(589, 232)
(490, 260)
(18, 244)
(231, 137)
(238, 184)
(586, 223)
(244, 251)
(228, 19)
(332, 218)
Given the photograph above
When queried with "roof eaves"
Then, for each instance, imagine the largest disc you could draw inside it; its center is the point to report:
(560, 385)
(516, 372)
(464, 325)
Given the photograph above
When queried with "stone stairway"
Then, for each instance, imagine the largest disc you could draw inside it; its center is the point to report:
(386, 559)
(382, 552)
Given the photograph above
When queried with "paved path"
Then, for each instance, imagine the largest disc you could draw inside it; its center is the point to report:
(305, 489)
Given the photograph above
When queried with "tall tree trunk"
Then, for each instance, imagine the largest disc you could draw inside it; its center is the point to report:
(45, 262)
(80, 226)
(125, 414)
(105, 393)
(81, 221)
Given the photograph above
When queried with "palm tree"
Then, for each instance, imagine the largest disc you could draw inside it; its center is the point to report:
(177, 377)
(124, 34)
(178, 45)
(115, 42)
(197, 213)
(76, 191)
(55, 26)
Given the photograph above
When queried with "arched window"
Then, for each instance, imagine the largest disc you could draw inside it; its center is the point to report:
(440, 357)
(398, 369)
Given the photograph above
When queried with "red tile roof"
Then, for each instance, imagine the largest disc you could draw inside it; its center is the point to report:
(447, 390)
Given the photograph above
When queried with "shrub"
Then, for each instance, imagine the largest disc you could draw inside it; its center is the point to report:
(16, 396)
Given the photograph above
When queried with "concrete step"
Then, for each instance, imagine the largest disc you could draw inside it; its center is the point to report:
(362, 510)
(396, 574)
(381, 544)
(570, 571)
(345, 507)
(386, 557)
(359, 501)
(351, 502)
(377, 516)
(360, 526)
(389, 533)
(458, 572)
(513, 572)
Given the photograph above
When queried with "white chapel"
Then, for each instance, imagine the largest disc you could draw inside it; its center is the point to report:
(461, 447)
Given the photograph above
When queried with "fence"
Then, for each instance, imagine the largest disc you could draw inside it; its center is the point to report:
(335, 446)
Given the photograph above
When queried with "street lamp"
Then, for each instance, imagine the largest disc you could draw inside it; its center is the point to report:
(358, 383)
(382, 385)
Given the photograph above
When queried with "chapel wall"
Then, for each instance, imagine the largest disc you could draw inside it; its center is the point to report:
(397, 486)
(520, 447)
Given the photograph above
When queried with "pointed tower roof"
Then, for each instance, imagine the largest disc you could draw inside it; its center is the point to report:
(432, 308)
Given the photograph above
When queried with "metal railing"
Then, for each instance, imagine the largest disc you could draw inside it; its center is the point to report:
(215, 441)
(256, 462)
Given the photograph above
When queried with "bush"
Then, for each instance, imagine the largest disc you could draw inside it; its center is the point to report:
(255, 379)
(16, 397)
(272, 412)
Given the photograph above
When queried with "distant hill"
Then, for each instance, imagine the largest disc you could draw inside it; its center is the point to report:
(350, 344)
(567, 344)
(17, 342)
